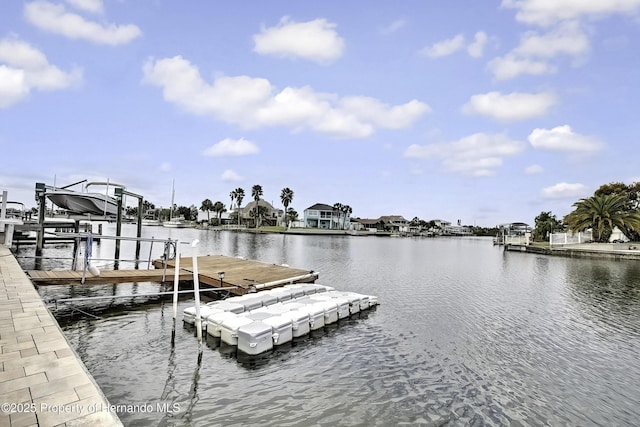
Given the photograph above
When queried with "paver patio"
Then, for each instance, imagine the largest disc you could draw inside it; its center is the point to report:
(42, 380)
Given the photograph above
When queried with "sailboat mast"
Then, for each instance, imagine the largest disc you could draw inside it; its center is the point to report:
(173, 193)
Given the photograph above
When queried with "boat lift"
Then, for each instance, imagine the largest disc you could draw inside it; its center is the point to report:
(119, 192)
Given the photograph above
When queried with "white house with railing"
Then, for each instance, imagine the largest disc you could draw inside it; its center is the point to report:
(324, 216)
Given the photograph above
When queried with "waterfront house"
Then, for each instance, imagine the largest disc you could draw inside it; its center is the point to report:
(392, 223)
(271, 217)
(441, 224)
(212, 217)
(370, 225)
(395, 223)
(457, 230)
(324, 216)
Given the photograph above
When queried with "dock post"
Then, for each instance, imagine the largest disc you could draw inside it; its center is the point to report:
(196, 289)
(176, 281)
(139, 230)
(40, 190)
(76, 245)
(118, 234)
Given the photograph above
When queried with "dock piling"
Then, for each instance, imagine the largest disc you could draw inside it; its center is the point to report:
(196, 289)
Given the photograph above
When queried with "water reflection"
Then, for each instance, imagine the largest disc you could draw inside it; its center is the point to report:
(607, 292)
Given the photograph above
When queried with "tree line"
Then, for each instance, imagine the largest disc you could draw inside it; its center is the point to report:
(612, 205)
(237, 196)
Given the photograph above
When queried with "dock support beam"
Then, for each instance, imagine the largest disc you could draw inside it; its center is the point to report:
(42, 206)
(196, 289)
(119, 193)
(116, 264)
(139, 230)
(176, 284)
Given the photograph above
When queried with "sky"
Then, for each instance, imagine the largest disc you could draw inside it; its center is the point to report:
(482, 111)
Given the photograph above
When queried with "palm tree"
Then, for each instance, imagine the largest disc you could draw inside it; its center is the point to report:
(602, 213)
(292, 215)
(256, 192)
(258, 212)
(207, 205)
(337, 208)
(286, 196)
(232, 196)
(239, 196)
(218, 208)
(346, 210)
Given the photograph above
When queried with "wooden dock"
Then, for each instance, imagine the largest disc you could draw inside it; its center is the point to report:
(242, 273)
(239, 273)
(70, 277)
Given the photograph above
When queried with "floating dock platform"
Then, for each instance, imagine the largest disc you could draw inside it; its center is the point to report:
(257, 322)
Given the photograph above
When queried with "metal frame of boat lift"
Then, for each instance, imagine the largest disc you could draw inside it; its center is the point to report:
(176, 280)
(119, 192)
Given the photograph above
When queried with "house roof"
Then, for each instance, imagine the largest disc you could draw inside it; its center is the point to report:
(367, 221)
(261, 202)
(392, 218)
(320, 207)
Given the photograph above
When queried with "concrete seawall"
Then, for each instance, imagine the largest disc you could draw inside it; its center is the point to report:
(43, 382)
(589, 250)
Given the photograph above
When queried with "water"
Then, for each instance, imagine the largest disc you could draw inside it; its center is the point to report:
(465, 334)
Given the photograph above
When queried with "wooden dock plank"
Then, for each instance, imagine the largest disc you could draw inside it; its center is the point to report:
(68, 277)
(238, 272)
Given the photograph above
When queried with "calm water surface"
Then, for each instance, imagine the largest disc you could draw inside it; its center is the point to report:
(465, 334)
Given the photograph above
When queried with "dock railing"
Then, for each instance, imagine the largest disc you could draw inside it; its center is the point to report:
(83, 249)
(7, 221)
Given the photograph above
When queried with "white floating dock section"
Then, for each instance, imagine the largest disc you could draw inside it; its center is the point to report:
(258, 322)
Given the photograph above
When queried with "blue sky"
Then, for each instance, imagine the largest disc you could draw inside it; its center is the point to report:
(483, 111)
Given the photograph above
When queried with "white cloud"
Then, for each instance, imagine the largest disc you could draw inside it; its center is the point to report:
(548, 12)
(562, 138)
(445, 47)
(24, 68)
(533, 170)
(534, 53)
(13, 87)
(476, 48)
(55, 18)
(566, 39)
(314, 40)
(456, 44)
(510, 66)
(231, 176)
(254, 102)
(478, 154)
(93, 6)
(564, 190)
(393, 27)
(232, 147)
(510, 107)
